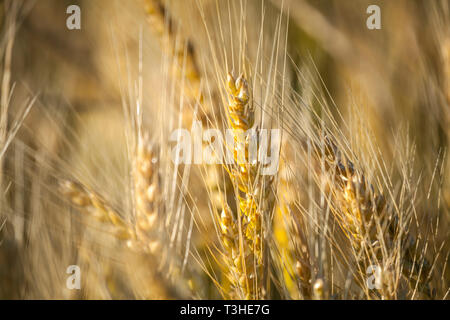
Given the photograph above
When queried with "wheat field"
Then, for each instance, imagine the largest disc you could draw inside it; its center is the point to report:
(224, 149)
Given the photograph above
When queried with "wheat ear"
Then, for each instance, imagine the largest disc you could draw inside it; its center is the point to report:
(95, 205)
(240, 261)
(146, 195)
(360, 208)
(144, 235)
(184, 66)
(250, 189)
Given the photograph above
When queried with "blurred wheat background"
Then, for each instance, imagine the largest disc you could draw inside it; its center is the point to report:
(87, 179)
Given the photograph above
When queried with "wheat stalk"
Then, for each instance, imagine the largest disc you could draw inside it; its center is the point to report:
(290, 234)
(445, 49)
